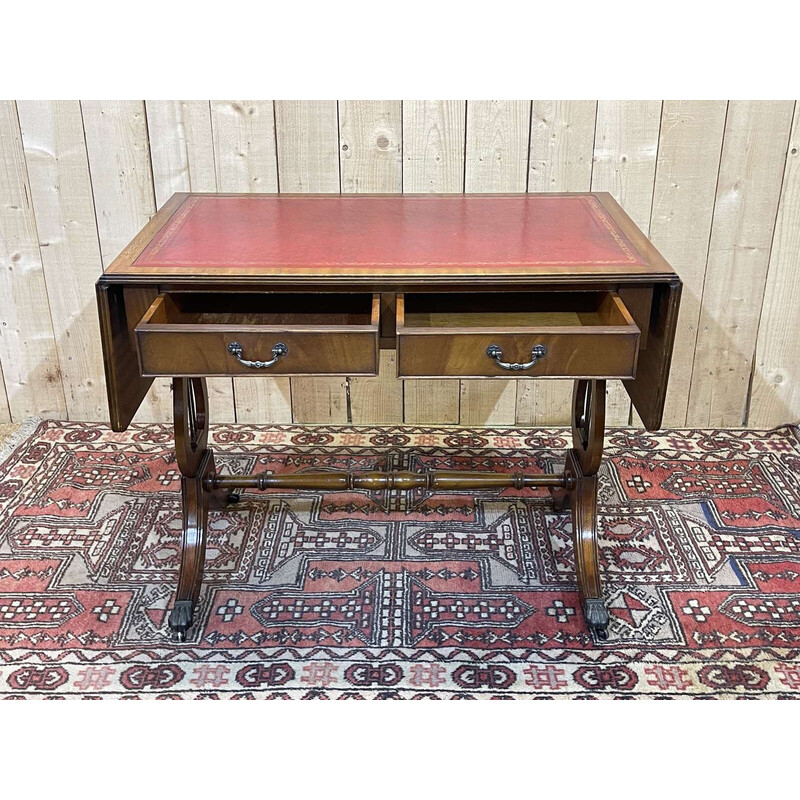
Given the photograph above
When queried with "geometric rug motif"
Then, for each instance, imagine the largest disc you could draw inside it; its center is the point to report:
(400, 594)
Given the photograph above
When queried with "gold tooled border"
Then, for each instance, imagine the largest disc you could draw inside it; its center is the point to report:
(180, 218)
(175, 224)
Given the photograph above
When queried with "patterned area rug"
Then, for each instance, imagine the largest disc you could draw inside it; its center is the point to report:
(389, 595)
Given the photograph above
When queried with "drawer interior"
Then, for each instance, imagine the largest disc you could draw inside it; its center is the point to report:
(264, 310)
(517, 310)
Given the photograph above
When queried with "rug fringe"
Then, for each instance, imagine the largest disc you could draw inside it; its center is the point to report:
(25, 431)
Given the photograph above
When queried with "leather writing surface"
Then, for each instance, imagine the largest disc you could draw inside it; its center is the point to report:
(399, 235)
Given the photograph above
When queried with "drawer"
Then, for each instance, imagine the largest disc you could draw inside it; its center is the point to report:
(237, 333)
(520, 335)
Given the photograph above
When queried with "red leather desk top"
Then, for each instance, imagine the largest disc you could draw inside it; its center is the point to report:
(391, 235)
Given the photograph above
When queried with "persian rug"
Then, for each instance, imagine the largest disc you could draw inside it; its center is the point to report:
(400, 595)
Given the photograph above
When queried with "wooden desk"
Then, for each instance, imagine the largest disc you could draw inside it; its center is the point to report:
(478, 286)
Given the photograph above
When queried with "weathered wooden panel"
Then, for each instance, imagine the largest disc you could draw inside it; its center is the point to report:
(689, 152)
(182, 154)
(27, 341)
(749, 186)
(245, 160)
(371, 160)
(244, 145)
(434, 136)
(181, 147)
(55, 152)
(28, 352)
(307, 133)
(496, 161)
(625, 148)
(704, 178)
(370, 145)
(434, 133)
(378, 401)
(562, 144)
(775, 396)
(124, 200)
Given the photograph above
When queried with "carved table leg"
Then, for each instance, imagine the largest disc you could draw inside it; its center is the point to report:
(195, 502)
(583, 461)
(196, 462)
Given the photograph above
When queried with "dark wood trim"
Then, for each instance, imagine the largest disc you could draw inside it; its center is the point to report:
(119, 308)
(134, 249)
(580, 495)
(390, 283)
(435, 480)
(190, 415)
(588, 424)
(648, 390)
(656, 267)
(640, 303)
(646, 248)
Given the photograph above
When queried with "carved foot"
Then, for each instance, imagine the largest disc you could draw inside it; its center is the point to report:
(596, 615)
(180, 620)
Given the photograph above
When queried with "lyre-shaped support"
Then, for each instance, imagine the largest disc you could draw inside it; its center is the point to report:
(190, 418)
(580, 494)
(196, 463)
(202, 488)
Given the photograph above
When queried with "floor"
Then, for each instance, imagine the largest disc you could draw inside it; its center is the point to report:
(8, 429)
(406, 595)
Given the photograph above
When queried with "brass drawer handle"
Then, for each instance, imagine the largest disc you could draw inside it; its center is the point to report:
(537, 352)
(278, 351)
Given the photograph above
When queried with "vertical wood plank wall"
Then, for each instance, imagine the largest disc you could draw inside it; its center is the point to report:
(715, 184)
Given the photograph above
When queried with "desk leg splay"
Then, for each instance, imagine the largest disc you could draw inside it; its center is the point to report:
(202, 488)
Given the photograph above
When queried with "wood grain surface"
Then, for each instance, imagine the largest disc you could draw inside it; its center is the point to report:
(714, 183)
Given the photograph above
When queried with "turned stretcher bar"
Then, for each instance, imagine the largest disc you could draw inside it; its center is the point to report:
(348, 481)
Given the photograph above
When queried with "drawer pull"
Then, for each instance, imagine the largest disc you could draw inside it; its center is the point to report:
(278, 351)
(537, 352)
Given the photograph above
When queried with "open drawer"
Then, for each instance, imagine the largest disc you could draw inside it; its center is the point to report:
(561, 334)
(238, 333)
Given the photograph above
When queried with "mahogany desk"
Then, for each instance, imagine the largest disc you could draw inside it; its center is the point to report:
(463, 286)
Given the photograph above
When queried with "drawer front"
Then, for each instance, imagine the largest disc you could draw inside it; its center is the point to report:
(464, 355)
(601, 340)
(174, 344)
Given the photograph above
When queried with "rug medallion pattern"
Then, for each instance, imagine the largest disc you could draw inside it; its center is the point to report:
(401, 595)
